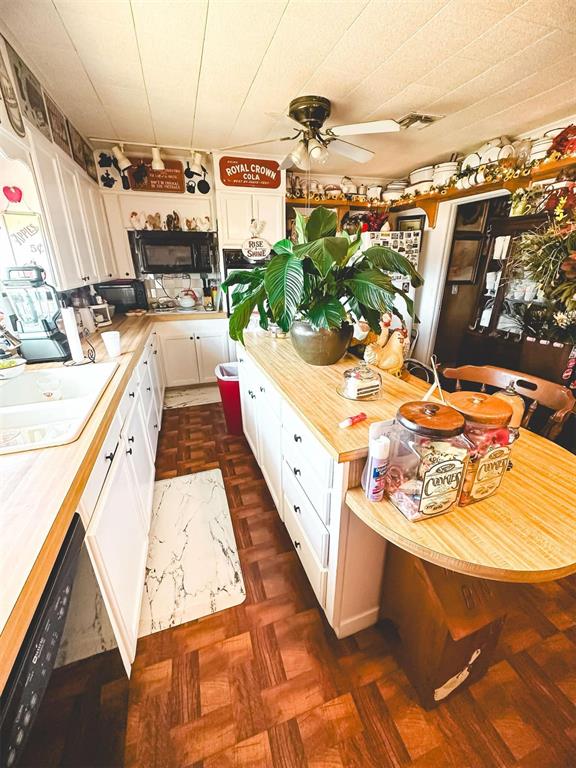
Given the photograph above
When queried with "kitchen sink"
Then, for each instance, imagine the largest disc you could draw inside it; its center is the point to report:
(50, 407)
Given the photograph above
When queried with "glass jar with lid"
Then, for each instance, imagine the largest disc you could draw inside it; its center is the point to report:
(360, 383)
(487, 419)
(428, 459)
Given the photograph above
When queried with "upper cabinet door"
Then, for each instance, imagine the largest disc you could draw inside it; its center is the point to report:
(119, 237)
(271, 210)
(78, 222)
(111, 268)
(235, 217)
(63, 248)
(99, 269)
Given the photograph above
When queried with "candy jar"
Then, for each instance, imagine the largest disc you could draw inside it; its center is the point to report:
(487, 419)
(428, 458)
(516, 401)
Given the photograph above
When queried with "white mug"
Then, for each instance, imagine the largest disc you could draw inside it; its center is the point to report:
(111, 341)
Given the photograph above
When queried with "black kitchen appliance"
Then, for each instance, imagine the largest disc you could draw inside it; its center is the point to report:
(32, 310)
(124, 294)
(30, 674)
(172, 252)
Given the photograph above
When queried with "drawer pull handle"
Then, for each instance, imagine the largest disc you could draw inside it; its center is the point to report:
(131, 439)
(262, 389)
(297, 471)
(253, 396)
(109, 457)
(296, 509)
(297, 439)
(145, 362)
(129, 451)
(131, 394)
(297, 544)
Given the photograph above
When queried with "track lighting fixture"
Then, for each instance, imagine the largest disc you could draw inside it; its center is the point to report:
(121, 159)
(157, 162)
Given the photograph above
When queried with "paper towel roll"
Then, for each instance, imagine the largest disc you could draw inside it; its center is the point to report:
(71, 331)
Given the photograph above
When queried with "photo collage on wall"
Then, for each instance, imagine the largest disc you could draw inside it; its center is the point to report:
(407, 243)
(24, 97)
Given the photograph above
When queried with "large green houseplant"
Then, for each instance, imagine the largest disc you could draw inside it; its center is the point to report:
(317, 288)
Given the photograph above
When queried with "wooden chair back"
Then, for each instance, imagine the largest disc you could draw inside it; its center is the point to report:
(539, 391)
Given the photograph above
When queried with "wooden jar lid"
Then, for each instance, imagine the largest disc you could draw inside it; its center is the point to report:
(431, 419)
(481, 408)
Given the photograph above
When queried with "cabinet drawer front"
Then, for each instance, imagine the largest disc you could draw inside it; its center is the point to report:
(129, 396)
(314, 528)
(317, 575)
(313, 479)
(100, 470)
(144, 362)
(146, 392)
(303, 442)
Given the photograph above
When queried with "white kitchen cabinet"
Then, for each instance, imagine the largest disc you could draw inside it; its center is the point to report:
(180, 362)
(211, 349)
(270, 210)
(118, 547)
(103, 266)
(237, 209)
(80, 235)
(269, 442)
(67, 270)
(248, 402)
(118, 236)
(140, 459)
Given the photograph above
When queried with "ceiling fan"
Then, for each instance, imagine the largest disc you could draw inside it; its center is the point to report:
(315, 143)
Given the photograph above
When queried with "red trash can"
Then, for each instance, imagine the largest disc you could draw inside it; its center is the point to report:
(229, 386)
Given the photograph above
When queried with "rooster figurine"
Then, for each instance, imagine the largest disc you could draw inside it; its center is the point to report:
(374, 346)
(390, 357)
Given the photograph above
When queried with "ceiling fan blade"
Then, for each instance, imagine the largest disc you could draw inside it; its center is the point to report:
(360, 129)
(257, 143)
(351, 151)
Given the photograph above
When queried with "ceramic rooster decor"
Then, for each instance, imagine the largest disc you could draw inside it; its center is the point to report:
(390, 356)
(364, 336)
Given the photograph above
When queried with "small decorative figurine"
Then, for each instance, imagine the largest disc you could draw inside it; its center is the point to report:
(390, 356)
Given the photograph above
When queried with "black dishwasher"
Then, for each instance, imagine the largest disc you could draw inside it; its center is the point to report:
(30, 674)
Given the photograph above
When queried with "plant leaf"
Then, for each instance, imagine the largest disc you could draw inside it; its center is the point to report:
(321, 223)
(283, 246)
(386, 258)
(409, 305)
(240, 316)
(353, 245)
(324, 253)
(284, 282)
(301, 227)
(372, 317)
(243, 277)
(263, 316)
(372, 288)
(327, 312)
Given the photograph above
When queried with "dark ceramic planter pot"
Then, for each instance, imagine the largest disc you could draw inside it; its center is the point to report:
(320, 347)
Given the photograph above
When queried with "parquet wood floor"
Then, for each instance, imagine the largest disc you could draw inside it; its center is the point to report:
(267, 684)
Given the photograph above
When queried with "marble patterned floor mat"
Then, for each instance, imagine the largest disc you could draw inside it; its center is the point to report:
(181, 397)
(193, 568)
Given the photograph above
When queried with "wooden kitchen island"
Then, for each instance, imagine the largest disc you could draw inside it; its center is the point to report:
(438, 580)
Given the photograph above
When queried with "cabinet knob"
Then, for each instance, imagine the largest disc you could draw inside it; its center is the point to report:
(155, 351)
(129, 451)
(297, 544)
(297, 439)
(109, 457)
(109, 274)
(192, 338)
(127, 274)
(155, 426)
(145, 362)
(262, 389)
(297, 471)
(240, 359)
(131, 394)
(131, 439)
(148, 389)
(250, 392)
(296, 509)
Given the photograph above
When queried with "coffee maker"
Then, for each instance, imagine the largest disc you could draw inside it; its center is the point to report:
(31, 311)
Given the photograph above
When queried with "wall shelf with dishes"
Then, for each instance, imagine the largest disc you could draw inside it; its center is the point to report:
(429, 202)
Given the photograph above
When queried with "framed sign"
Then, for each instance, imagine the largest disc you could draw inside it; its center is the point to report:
(58, 126)
(248, 172)
(256, 249)
(29, 93)
(410, 223)
(26, 237)
(10, 100)
(89, 161)
(77, 144)
(143, 178)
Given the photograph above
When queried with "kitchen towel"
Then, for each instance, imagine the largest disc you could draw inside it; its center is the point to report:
(193, 568)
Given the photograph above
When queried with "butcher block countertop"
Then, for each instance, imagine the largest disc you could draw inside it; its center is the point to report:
(311, 391)
(526, 532)
(40, 490)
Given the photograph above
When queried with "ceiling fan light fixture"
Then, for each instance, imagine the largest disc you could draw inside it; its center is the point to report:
(121, 159)
(157, 162)
(318, 152)
(300, 156)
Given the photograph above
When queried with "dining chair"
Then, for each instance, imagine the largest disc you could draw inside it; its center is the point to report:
(539, 391)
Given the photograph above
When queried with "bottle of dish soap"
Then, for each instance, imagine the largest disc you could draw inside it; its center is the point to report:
(374, 474)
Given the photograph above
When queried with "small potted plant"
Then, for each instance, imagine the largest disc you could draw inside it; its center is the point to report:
(316, 289)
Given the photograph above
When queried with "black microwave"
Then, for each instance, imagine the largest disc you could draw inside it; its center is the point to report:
(173, 252)
(124, 294)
